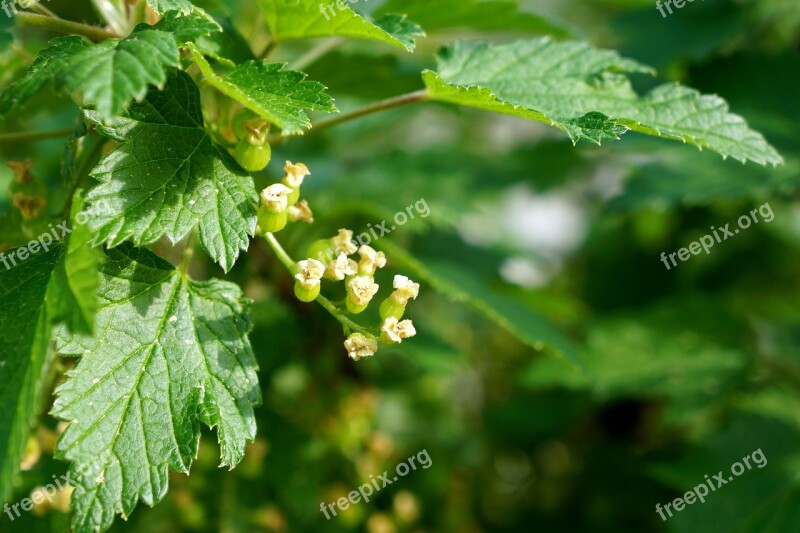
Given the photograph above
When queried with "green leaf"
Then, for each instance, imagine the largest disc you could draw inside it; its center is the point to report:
(173, 354)
(185, 28)
(110, 75)
(162, 6)
(585, 92)
(401, 28)
(168, 177)
(278, 95)
(76, 279)
(298, 19)
(24, 340)
(487, 15)
(462, 286)
(48, 64)
(651, 354)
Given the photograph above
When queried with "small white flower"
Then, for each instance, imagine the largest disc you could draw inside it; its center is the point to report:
(276, 197)
(405, 290)
(358, 346)
(370, 260)
(343, 243)
(396, 331)
(295, 174)
(301, 212)
(341, 268)
(361, 289)
(309, 273)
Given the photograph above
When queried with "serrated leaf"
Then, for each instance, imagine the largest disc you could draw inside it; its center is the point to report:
(298, 19)
(462, 286)
(585, 92)
(72, 299)
(401, 28)
(278, 95)
(162, 6)
(168, 177)
(487, 15)
(111, 74)
(185, 28)
(24, 339)
(48, 64)
(173, 354)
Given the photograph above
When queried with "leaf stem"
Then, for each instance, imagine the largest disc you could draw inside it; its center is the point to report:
(390, 103)
(28, 136)
(317, 52)
(39, 8)
(93, 33)
(188, 253)
(289, 263)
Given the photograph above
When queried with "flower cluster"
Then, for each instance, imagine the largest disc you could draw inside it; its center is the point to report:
(280, 202)
(339, 259)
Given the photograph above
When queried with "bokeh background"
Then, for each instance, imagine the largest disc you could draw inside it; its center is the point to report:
(536, 253)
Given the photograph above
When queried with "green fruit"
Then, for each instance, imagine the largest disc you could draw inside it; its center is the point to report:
(354, 308)
(321, 250)
(253, 158)
(270, 222)
(306, 295)
(294, 197)
(390, 308)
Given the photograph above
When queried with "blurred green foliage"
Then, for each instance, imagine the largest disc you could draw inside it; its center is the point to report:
(682, 372)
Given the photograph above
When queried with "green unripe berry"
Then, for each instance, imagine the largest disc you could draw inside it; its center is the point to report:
(390, 308)
(306, 295)
(270, 222)
(355, 308)
(321, 250)
(294, 197)
(253, 158)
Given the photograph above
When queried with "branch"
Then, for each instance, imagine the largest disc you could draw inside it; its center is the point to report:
(397, 101)
(28, 136)
(93, 33)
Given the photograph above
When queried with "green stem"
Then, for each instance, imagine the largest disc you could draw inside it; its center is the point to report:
(188, 253)
(28, 136)
(317, 52)
(93, 33)
(39, 8)
(289, 263)
(383, 105)
(268, 49)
